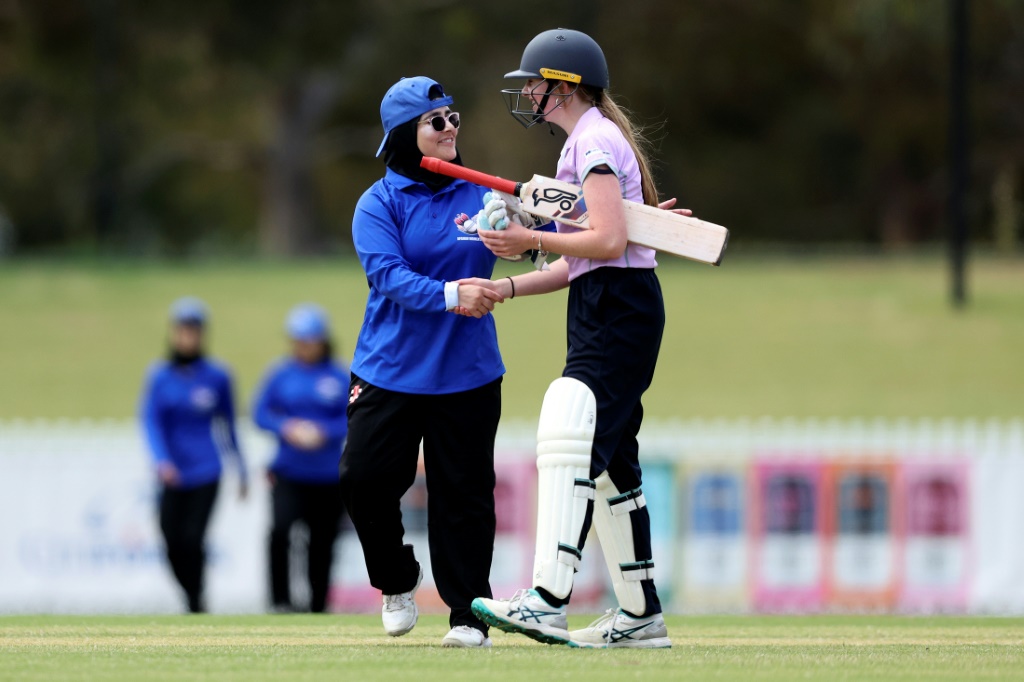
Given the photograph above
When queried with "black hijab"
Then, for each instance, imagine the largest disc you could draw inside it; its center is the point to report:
(403, 156)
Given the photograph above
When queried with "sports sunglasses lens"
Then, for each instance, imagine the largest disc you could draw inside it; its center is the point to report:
(439, 123)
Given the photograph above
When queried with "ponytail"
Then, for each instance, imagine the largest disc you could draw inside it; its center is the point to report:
(633, 134)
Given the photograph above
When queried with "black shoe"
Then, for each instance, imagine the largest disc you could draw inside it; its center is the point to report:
(196, 605)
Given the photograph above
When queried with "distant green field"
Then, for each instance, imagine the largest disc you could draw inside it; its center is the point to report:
(776, 337)
(256, 648)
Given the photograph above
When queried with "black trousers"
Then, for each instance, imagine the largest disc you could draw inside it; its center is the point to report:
(184, 516)
(379, 465)
(616, 318)
(319, 507)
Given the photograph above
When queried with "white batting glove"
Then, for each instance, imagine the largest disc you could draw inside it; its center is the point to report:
(515, 211)
(494, 214)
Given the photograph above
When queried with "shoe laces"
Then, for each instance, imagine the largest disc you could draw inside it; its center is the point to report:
(518, 597)
(465, 629)
(397, 602)
(607, 619)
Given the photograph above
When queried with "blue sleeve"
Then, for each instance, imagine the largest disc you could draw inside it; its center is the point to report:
(152, 423)
(228, 401)
(265, 412)
(375, 236)
(335, 426)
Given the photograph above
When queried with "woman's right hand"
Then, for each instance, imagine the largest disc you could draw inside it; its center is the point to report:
(168, 474)
(477, 299)
(303, 434)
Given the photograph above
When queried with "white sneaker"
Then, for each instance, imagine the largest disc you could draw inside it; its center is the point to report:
(616, 629)
(526, 613)
(466, 636)
(399, 612)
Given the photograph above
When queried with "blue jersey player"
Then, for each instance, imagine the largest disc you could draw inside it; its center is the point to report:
(302, 402)
(188, 417)
(422, 373)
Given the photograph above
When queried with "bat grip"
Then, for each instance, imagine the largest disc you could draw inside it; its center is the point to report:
(453, 170)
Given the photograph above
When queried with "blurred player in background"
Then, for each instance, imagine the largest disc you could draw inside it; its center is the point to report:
(421, 373)
(588, 456)
(188, 417)
(302, 402)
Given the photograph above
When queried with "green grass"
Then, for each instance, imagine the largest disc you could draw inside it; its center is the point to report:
(255, 648)
(780, 336)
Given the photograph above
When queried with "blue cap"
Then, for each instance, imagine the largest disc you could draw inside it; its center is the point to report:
(407, 99)
(188, 310)
(307, 322)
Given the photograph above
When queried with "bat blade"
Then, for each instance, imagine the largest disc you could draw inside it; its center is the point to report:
(649, 226)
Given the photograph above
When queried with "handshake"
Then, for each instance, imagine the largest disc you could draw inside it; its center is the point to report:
(478, 296)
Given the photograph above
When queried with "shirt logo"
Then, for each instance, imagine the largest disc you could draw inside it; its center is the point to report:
(203, 398)
(460, 222)
(328, 388)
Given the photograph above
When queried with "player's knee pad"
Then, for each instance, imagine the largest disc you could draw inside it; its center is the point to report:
(565, 490)
(612, 512)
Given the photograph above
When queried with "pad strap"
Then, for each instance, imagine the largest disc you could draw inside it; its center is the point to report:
(584, 488)
(627, 502)
(637, 570)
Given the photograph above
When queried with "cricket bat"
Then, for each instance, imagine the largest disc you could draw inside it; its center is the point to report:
(648, 226)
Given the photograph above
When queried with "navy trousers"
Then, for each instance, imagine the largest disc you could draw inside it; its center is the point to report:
(615, 322)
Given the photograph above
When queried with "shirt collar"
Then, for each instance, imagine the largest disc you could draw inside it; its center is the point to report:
(403, 183)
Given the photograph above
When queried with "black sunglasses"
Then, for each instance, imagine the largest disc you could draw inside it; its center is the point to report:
(439, 122)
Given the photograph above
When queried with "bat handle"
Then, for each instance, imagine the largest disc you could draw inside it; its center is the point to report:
(454, 170)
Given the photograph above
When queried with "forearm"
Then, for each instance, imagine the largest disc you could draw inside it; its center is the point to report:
(536, 282)
(607, 237)
(599, 244)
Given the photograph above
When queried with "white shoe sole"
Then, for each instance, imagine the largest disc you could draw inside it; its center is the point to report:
(653, 643)
(453, 643)
(539, 632)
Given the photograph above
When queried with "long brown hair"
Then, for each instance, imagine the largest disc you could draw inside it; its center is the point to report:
(633, 134)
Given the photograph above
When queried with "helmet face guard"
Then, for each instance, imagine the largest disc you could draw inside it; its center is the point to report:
(521, 105)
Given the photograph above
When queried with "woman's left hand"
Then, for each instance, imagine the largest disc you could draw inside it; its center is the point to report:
(669, 203)
(512, 241)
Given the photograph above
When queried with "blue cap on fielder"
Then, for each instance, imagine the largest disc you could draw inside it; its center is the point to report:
(188, 310)
(307, 322)
(407, 99)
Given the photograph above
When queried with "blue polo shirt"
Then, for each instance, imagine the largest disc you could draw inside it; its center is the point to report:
(316, 393)
(410, 242)
(188, 416)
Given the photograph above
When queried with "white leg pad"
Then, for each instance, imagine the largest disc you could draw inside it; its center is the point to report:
(565, 437)
(615, 532)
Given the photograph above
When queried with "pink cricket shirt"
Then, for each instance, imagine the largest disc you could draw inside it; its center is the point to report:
(596, 141)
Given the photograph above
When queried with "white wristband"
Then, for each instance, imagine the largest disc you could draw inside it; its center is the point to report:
(451, 295)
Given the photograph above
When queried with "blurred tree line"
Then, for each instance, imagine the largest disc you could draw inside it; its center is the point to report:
(225, 126)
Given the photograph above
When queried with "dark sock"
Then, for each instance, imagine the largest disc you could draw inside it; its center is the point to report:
(550, 598)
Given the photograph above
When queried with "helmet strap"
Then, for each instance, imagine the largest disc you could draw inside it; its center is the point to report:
(542, 107)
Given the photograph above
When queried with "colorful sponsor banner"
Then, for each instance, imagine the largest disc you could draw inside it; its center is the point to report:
(713, 555)
(936, 566)
(788, 528)
(659, 484)
(863, 534)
